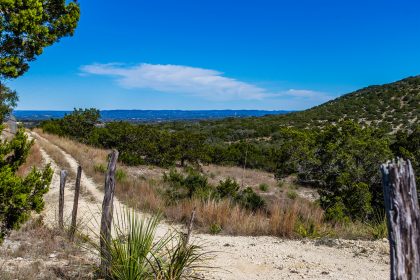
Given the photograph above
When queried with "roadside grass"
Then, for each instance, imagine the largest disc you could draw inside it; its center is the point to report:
(34, 159)
(56, 154)
(286, 214)
(38, 252)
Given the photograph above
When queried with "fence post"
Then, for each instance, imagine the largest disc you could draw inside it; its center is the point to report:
(403, 219)
(63, 176)
(75, 203)
(107, 212)
(190, 227)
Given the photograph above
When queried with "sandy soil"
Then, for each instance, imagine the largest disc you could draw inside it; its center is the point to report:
(244, 257)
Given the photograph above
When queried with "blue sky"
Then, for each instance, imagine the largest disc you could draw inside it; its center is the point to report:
(230, 54)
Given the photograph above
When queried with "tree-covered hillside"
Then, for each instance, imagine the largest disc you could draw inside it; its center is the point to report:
(391, 107)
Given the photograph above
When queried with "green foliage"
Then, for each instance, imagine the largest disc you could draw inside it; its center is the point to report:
(19, 196)
(378, 226)
(306, 230)
(292, 194)
(228, 188)
(100, 168)
(264, 187)
(192, 185)
(80, 124)
(8, 100)
(349, 156)
(250, 199)
(120, 175)
(407, 146)
(359, 201)
(336, 212)
(215, 229)
(137, 253)
(27, 27)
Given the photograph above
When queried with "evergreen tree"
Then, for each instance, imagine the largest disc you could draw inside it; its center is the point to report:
(26, 28)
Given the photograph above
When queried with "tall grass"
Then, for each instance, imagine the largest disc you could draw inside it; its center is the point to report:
(137, 253)
(34, 159)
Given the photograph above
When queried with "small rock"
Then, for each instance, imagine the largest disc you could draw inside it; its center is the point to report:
(52, 256)
(325, 273)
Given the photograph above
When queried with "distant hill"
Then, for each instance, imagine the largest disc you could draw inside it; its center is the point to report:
(150, 115)
(391, 106)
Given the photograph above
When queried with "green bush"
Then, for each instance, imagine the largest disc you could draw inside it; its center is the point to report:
(292, 194)
(215, 229)
(228, 188)
(193, 184)
(264, 187)
(250, 200)
(19, 196)
(358, 201)
(306, 231)
(336, 213)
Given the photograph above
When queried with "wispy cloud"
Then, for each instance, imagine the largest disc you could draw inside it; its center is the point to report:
(205, 83)
(308, 94)
(201, 82)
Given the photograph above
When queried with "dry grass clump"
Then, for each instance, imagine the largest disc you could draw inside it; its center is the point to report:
(280, 220)
(34, 159)
(38, 252)
(140, 194)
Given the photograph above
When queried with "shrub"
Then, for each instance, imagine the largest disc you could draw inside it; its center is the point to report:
(228, 188)
(264, 187)
(215, 229)
(197, 185)
(292, 194)
(19, 196)
(336, 213)
(358, 201)
(193, 185)
(306, 231)
(250, 200)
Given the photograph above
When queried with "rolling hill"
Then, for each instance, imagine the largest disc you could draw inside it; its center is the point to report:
(394, 106)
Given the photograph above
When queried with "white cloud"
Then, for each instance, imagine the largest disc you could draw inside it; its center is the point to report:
(194, 81)
(205, 83)
(309, 94)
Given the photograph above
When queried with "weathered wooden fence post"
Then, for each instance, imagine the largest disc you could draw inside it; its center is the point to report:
(190, 227)
(63, 176)
(403, 218)
(75, 204)
(107, 212)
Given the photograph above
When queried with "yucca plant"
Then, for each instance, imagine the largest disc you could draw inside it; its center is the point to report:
(137, 253)
(180, 261)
